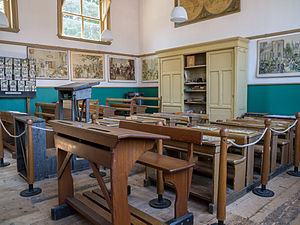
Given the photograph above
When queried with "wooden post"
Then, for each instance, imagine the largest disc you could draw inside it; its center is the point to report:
(30, 164)
(28, 105)
(296, 171)
(159, 202)
(221, 207)
(263, 192)
(94, 117)
(2, 163)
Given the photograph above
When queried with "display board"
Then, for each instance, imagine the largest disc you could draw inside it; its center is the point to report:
(17, 77)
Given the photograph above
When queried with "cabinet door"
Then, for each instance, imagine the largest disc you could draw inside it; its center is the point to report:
(220, 81)
(171, 86)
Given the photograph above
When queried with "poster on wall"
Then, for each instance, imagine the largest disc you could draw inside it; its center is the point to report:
(121, 70)
(278, 57)
(199, 10)
(50, 64)
(150, 69)
(87, 66)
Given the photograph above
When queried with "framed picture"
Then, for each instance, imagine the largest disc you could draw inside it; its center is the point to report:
(87, 66)
(278, 57)
(121, 70)
(199, 10)
(50, 64)
(150, 69)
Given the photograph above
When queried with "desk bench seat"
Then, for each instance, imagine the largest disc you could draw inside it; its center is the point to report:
(164, 163)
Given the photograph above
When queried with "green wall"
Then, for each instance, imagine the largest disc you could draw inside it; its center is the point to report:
(274, 99)
(47, 95)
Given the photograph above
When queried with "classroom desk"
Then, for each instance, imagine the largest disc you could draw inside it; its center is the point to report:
(241, 137)
(258, 127)
(114, 148)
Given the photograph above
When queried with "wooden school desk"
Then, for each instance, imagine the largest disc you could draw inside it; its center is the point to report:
(114, 148)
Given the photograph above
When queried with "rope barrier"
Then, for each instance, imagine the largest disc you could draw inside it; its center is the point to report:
(247, 145)
(9, 134)
(281, 132)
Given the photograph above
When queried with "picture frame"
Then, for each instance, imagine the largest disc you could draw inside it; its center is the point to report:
(121, 69)
(51, 64)
(149, 69)
(87, 66)
(200, 10)
(278, 57)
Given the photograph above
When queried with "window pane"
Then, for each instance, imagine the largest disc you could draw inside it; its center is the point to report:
(91, 29)
(72, 6)
(90, 8)
(1, 6)
(72, 26)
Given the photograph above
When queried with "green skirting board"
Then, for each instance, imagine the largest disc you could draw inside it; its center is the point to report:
(48, 95)
(275, 99)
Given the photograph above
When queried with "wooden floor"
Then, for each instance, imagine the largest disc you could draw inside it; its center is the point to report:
(284, 208)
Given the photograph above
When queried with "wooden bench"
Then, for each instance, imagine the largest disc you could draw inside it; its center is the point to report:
(283, 149)
(47, 110)
(126, 105)
(144, 107)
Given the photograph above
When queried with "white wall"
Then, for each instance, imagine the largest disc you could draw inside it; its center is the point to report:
(255, 18)
(38, 25)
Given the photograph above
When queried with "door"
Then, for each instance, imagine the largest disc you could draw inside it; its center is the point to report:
(171, 83)
(220, 83)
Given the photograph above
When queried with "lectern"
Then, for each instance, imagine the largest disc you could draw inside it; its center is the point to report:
(75, 92)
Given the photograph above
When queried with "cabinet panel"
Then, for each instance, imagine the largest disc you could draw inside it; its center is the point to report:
(227, 88)
(166, 88)
(214, 89)
(176, 86)
(221, 60)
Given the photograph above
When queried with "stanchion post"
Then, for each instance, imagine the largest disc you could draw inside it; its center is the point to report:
(296, 171)
(262, 191)
(159, 202)
(30, 164)
(102, 173)
(2, 163)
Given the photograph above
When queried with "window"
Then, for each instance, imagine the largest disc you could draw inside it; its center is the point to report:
(83, 20)
(10, 9)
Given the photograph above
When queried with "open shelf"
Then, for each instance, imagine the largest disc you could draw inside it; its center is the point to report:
(194, 91)
(195, 103)
(195, 83)
(194, 67)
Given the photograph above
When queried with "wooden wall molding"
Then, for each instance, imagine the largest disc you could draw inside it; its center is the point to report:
(273, 34)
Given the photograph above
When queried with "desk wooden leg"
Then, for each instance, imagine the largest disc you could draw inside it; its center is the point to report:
(65, 181)
(273, 156)
(250, 164)
(180, 180)
(215, 178)
(124, 157)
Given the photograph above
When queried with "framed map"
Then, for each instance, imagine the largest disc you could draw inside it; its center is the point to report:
(278, 57)
(150, 69)
(87, 66)
(199, 10)
(50, 64)
(121, 70)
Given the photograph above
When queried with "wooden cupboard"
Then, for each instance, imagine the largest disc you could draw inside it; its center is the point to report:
(220, 72)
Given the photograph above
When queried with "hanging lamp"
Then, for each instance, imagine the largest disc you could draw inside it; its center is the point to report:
(3, 20)
(106, 35)
(179, 14)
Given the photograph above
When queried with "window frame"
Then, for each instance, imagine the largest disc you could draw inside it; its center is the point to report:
(103, 25)
(11, 12)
